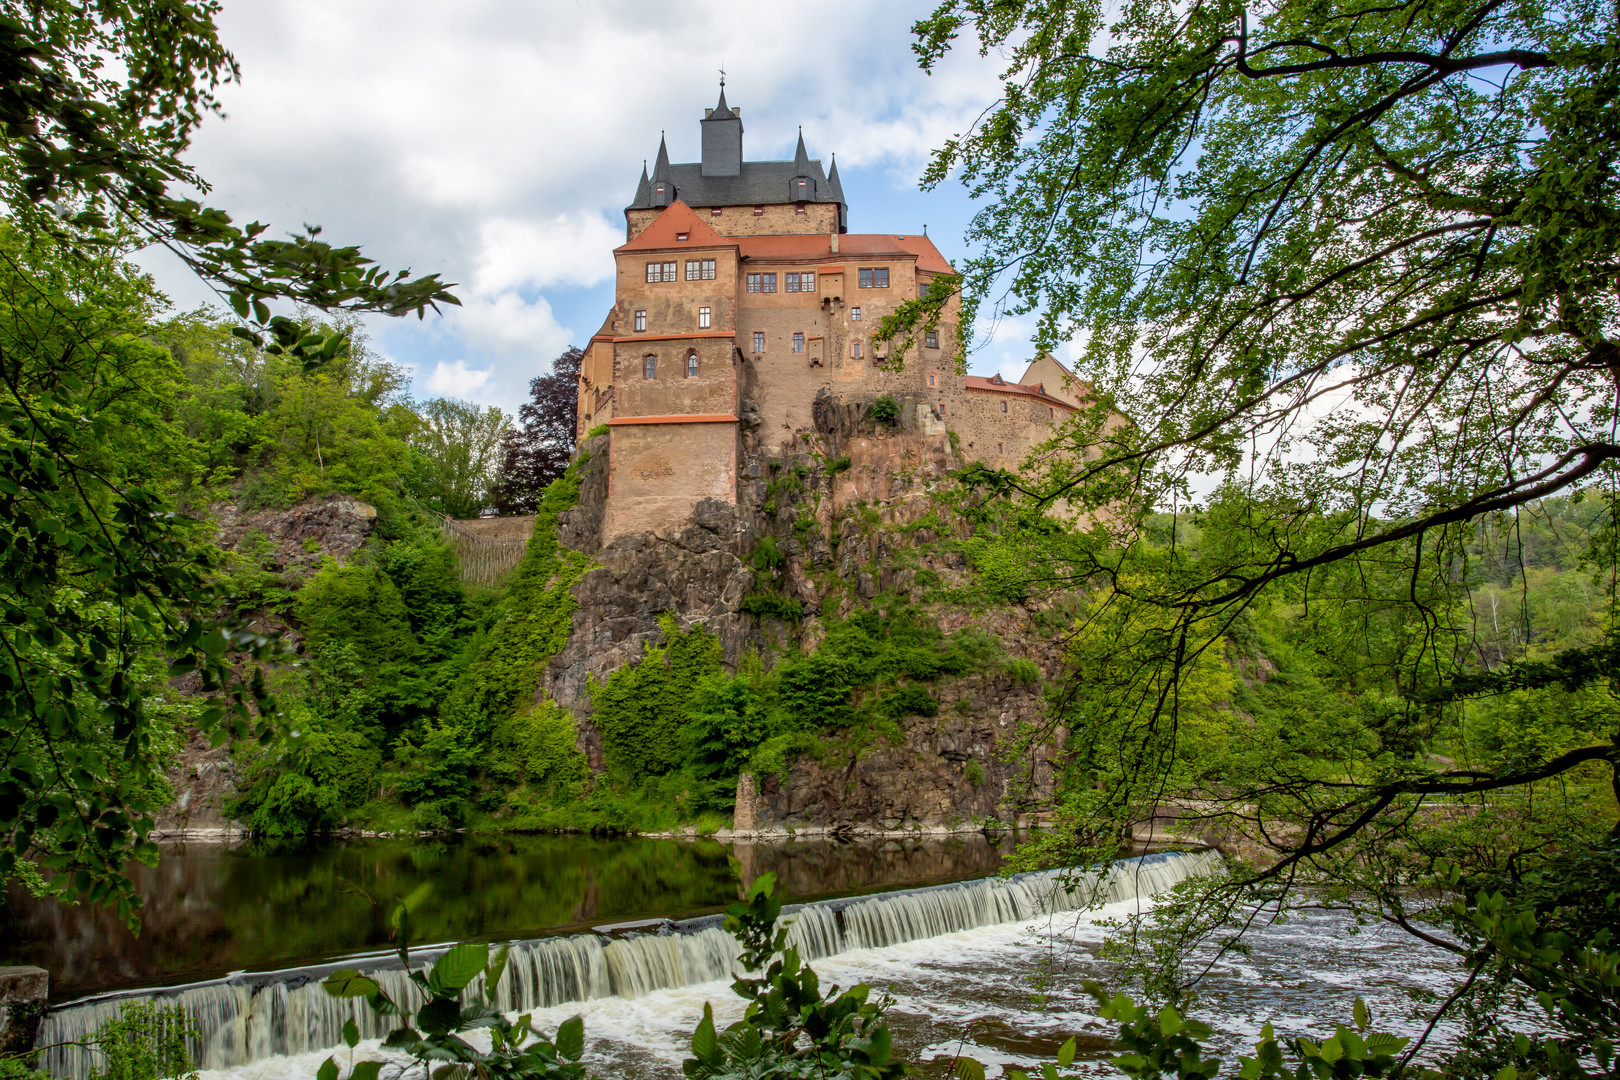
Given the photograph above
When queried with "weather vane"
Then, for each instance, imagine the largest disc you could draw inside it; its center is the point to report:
(722, 78)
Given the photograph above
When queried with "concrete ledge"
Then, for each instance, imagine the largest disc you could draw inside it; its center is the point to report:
(682, 418)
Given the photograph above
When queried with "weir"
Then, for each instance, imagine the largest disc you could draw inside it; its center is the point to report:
(249, 1017)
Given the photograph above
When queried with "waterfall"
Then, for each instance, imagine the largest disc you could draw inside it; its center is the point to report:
(247, 1018)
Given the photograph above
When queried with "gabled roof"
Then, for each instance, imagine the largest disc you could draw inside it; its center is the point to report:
(997, 385)
(760, 183)
(813, 246)
(667, 228)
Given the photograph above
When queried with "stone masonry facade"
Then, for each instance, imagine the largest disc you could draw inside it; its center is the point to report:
(742, 299)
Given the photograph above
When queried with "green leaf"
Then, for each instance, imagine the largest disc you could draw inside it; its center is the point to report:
(1332, 1050)
(764, 885)
(496, 969)
(1382, 1044)
(366, 1070)
(968, 1069)
(1048, 1071)
(351, 1034)
(1506, 1072)
(571, 1038)
(1066, 1052)
(1169, 1020)
(349, 983)
(327, 1071)
(1361, 1015)
(704, 1042)
(439, 1016)
(459, 966)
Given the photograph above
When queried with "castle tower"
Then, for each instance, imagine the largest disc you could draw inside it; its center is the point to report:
(740, 296)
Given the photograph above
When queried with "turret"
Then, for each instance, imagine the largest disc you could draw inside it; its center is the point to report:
(722, 140)
(663, 177)
(802, 188)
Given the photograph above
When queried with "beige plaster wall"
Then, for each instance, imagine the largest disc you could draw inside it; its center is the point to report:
(672, 392)
(595, 387)
(658, 472)
(1001, 439)
(672, 306)
(1055, 379)
(779, 219)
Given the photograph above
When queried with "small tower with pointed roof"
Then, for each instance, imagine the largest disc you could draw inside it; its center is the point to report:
(722, 140)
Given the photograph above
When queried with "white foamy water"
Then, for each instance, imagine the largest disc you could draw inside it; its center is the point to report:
(957, 959)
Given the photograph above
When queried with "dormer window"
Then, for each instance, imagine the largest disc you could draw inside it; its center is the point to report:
(714, 211)
(799, 209)
(681, 237)
(759, 211)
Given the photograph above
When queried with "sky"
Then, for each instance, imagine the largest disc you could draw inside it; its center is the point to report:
(496, 142)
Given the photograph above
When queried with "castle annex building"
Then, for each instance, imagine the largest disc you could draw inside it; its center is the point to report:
(741, 295)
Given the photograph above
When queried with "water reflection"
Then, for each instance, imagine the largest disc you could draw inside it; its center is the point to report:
(212, 909)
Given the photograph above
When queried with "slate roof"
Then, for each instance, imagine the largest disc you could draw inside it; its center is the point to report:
(760, 183)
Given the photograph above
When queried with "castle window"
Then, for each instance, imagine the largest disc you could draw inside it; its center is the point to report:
(699, 269)
(930, 380)
(1051, 413)
(799, 282)
(691, 365)
(661, 271)
(931, 339)
(649, 366)
(942, 408)
(874, 277)
(1003, 406)
(854, 314)
(798, 343)
(761, 283)
(703, 318)
(998, 448)
(759, 211)
(759, 341)
(641, 322)
(855, 348)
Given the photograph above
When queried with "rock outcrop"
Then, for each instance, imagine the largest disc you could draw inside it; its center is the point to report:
(847, 516)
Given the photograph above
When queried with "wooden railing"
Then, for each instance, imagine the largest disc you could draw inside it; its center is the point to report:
(483, 559)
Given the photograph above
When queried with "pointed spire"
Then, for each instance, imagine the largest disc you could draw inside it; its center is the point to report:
(722, 111)
(663, 177)
(834, 188)
(801, 159)
(643, 189)
(661, 164)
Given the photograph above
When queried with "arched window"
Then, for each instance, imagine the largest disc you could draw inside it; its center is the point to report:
(691, 365)
(649, 367)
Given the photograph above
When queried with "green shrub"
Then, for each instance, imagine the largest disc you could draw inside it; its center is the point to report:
(143, 1042)
(973, 773)
(885, 410)
(599, 429)
(908, 701)
(766, 555)
(640, 710)
(1021, 671)
(839, 464)
(770, 604)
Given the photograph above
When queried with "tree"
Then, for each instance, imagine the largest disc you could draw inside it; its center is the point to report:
(102, 585)
(538, 451)
(1357, 262)
(459, 445)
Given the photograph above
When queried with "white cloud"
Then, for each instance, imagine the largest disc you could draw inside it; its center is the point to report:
(569, 249)
(496, 142)
(454, 379)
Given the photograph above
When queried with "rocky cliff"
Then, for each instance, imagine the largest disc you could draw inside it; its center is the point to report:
(853, 514)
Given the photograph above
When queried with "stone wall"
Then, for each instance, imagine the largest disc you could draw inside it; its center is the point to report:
(1000, 429)
(658, 473)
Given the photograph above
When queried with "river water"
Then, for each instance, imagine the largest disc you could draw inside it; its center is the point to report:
(991, 969)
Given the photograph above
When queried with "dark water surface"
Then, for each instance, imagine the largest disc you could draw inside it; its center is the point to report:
(213, 909)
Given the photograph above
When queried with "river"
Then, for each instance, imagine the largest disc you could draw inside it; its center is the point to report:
(988, 969)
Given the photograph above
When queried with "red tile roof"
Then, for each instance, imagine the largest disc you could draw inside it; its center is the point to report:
(997, 385)
(814, 246)
(667, 228)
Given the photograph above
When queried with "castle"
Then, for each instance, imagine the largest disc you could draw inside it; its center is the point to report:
(741, 296)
